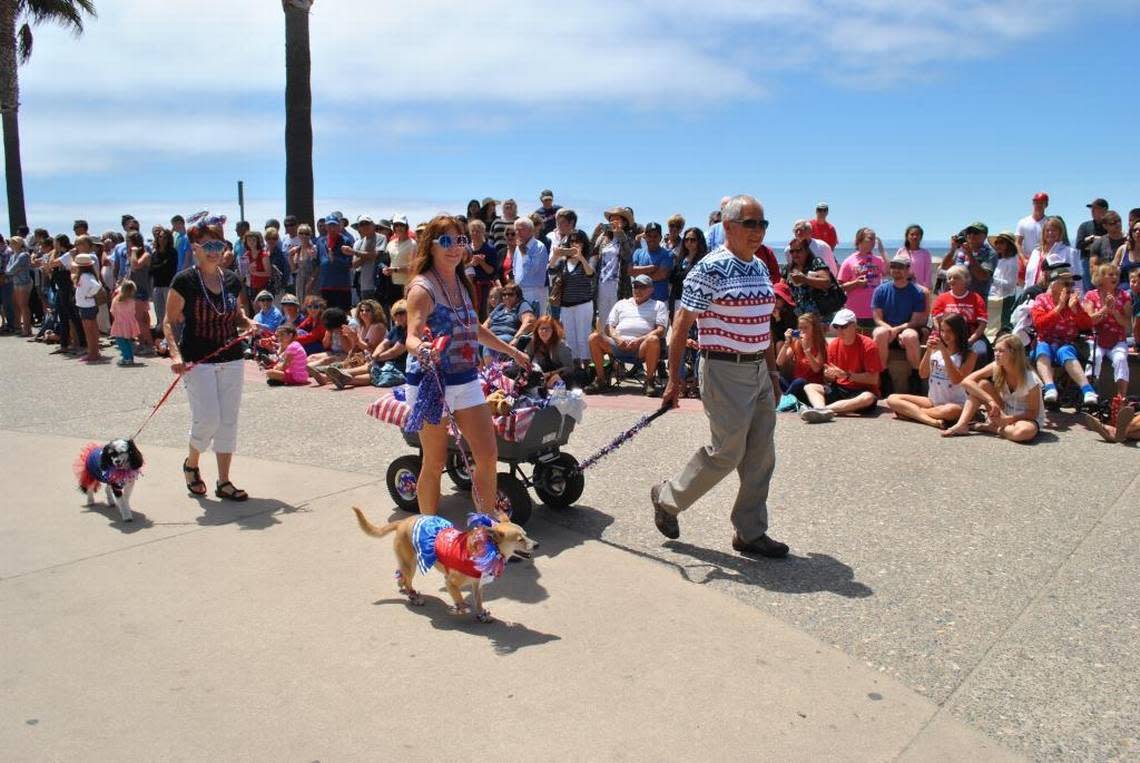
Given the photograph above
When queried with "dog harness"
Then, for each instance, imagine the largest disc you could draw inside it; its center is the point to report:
(437, 540)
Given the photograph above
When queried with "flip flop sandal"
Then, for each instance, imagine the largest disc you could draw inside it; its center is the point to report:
(227, 491)
(195, 486)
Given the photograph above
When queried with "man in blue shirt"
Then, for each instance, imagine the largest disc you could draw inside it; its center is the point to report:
(528, 263)
(899, 310)
(335, 267)
(181, 242)
(655, 261)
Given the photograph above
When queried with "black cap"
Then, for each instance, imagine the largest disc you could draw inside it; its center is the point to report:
(653, 228)
(1098, 203)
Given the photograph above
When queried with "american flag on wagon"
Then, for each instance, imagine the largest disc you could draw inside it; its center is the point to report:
(512, 427)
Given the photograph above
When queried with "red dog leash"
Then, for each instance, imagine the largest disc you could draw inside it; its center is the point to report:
(234, 342)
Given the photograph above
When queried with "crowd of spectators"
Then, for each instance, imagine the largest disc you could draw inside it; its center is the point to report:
(992, 329)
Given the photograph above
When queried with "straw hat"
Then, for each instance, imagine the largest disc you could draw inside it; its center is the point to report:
(621, 212)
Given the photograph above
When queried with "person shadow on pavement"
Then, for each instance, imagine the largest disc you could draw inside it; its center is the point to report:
(813, 573)
(254, 514)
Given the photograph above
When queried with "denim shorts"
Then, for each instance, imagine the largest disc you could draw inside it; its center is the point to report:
(89, 313)
(1056, 355)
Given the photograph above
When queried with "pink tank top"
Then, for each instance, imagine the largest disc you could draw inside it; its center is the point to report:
(296, 371)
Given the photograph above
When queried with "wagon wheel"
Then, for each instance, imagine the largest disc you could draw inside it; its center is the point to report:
(559, 483)
(457, 471)
(401, 478)
(513, 499)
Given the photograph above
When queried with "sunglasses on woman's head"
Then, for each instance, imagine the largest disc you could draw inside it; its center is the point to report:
(447, 241)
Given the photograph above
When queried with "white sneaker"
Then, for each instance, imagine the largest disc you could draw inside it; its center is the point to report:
(1051, 395)
(817, 415)
(1091, 398)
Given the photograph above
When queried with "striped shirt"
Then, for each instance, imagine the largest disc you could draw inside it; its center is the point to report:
(733, 300)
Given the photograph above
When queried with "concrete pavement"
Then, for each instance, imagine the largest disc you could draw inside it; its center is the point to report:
(992, 586)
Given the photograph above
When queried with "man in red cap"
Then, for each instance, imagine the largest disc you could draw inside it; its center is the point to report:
(1029, 227)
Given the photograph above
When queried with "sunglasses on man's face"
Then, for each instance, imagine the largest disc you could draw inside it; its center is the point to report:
(752, 224)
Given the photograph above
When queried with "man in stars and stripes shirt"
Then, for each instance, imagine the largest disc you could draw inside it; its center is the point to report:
(729, 295)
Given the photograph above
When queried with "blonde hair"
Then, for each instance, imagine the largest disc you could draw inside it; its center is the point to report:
(304, 230)
(127, 290)
(17, 243)
(1102, 270)
(400, 306)
(1017, 356)
(958, 270)
(477, 225)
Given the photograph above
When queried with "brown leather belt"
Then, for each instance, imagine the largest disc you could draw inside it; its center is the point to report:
(733, 357)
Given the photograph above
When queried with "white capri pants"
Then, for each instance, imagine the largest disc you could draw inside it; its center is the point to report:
(214, 390)
(578, 322)
(606, 299)
(1119, 357)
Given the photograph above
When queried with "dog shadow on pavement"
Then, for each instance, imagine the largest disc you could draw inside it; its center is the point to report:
(254, 514)
(139, 521)
(812, 573)
(506, 638)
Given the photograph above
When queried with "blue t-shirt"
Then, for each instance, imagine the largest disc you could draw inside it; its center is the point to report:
(398, 335)
(662, 257)
(898, 305)
(271, 318)
(491, 257)
(506, 321)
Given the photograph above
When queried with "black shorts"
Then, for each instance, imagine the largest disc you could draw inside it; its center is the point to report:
(835, 393)
(88, 313)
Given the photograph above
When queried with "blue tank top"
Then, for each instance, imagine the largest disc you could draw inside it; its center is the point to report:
(459, 361)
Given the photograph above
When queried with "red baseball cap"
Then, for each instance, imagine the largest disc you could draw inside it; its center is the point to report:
(784, 292)
(1041, 196)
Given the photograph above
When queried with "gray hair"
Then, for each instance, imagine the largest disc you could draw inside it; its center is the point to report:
(735, 207)
(476, 225)
(958, 270)
(800, 224)
(524, 222)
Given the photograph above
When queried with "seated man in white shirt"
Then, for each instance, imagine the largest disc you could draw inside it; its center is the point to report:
(634, 331)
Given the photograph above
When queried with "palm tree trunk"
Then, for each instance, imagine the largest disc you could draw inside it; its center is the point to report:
(9, 110)
(298, 113)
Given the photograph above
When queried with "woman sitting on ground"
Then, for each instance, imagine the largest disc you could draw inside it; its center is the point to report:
(512, 319)
(291, 368)
(311, 329)
(946, 363)
(370, 326)
(549, 350)
(803, 356)
(339, 334)
(1058, 316)
(1010, 391)
(386, 368)
(1110, 309)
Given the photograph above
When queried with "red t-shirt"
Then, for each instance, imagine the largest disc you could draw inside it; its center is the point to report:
(971, 307)
(1109, 333)
(803, 369)
(859, 357)
(825, 231)
(257, 261)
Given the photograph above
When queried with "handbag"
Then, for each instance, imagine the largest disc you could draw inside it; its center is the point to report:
(557, 285)
(833, 299)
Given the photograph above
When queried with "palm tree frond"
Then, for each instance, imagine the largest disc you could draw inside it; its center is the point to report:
(24, 43)
(66, 13)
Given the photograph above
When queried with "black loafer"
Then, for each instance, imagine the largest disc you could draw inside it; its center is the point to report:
(762, 546)
(666, 522)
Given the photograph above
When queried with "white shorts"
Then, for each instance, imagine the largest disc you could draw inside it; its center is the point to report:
(458, 396)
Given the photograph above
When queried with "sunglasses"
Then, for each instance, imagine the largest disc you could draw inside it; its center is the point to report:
(214, 247)
(752, 224)
(447, 241)
(674, 225)
(691, 238)
(512, 234)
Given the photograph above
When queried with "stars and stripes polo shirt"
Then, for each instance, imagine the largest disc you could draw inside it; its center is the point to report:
(733, 300)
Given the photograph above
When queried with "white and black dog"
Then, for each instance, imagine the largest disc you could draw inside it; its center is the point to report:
(116, 466)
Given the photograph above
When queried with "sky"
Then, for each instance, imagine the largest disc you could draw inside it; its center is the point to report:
(892, 111)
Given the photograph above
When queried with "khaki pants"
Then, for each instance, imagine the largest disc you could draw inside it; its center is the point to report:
(738, 401)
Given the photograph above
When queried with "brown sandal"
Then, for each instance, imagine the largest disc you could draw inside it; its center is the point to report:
(195, 486)
(229, 492)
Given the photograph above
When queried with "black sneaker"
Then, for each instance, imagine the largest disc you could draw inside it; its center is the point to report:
(650, 387)
(762, 546)
(596, 387)
(666, 522)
